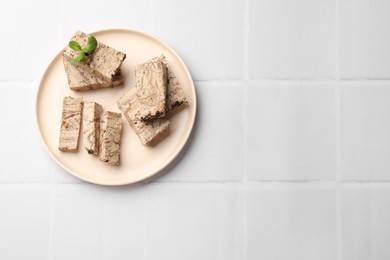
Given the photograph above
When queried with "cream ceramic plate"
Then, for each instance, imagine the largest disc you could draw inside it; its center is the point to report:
(137, 161)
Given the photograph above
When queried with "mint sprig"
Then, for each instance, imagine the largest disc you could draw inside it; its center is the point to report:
(83, 52)
(91, 45)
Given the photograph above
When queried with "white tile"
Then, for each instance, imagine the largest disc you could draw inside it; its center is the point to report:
(24, 222)
(295, 223)
(23, 156)
(364, 39)
(209, 35)
(195, 222)
(96, 15)
(365, 221)
(29, 33)
(292, 39)
(215, 151)
(365, 131)
(291, 132)
(94, 222)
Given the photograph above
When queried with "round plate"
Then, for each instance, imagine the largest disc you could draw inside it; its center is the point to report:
(138, 162)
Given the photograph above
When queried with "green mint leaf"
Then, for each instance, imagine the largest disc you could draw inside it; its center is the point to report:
(80, 57)
(83, 52)
(91, 45)
(75, 46)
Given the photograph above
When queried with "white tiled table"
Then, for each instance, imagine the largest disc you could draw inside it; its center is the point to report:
(296, 167)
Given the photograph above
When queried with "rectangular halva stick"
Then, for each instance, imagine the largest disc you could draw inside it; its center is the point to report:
(151, 84)
(91, 126)
(175, 95)
(110, 128)
(70, 124)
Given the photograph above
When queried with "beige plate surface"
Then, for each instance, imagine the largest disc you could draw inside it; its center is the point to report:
(137, 161)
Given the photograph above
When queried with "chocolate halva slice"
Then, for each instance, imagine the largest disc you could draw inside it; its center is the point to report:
(150, 132)
(70, 124)
(151, 86)
(92, 113)
(81, 80)
(111, 130)
(175, 96)
(104, 62)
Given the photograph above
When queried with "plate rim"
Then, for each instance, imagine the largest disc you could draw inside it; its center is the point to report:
(169, 160)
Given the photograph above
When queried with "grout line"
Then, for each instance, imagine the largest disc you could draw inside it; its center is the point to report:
(319, 79)
(366, 182)
(357, 79)
(198, 184)
(339, 223)
(245, 170)
(146, 223)
(51, 221)
(293, 181)
(280, 182)
(245, 132)
(291, 81)
(245, 128)
(245, 107)
(268, 80)
(293, 184)
(246, 40)
(246, 181)
(221, 81)
(338, 135)
(205, 182)
(337, 32)
(245, 222)
(338, 132)
(338, 138)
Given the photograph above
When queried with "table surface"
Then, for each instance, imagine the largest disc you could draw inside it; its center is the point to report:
(289, 157)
